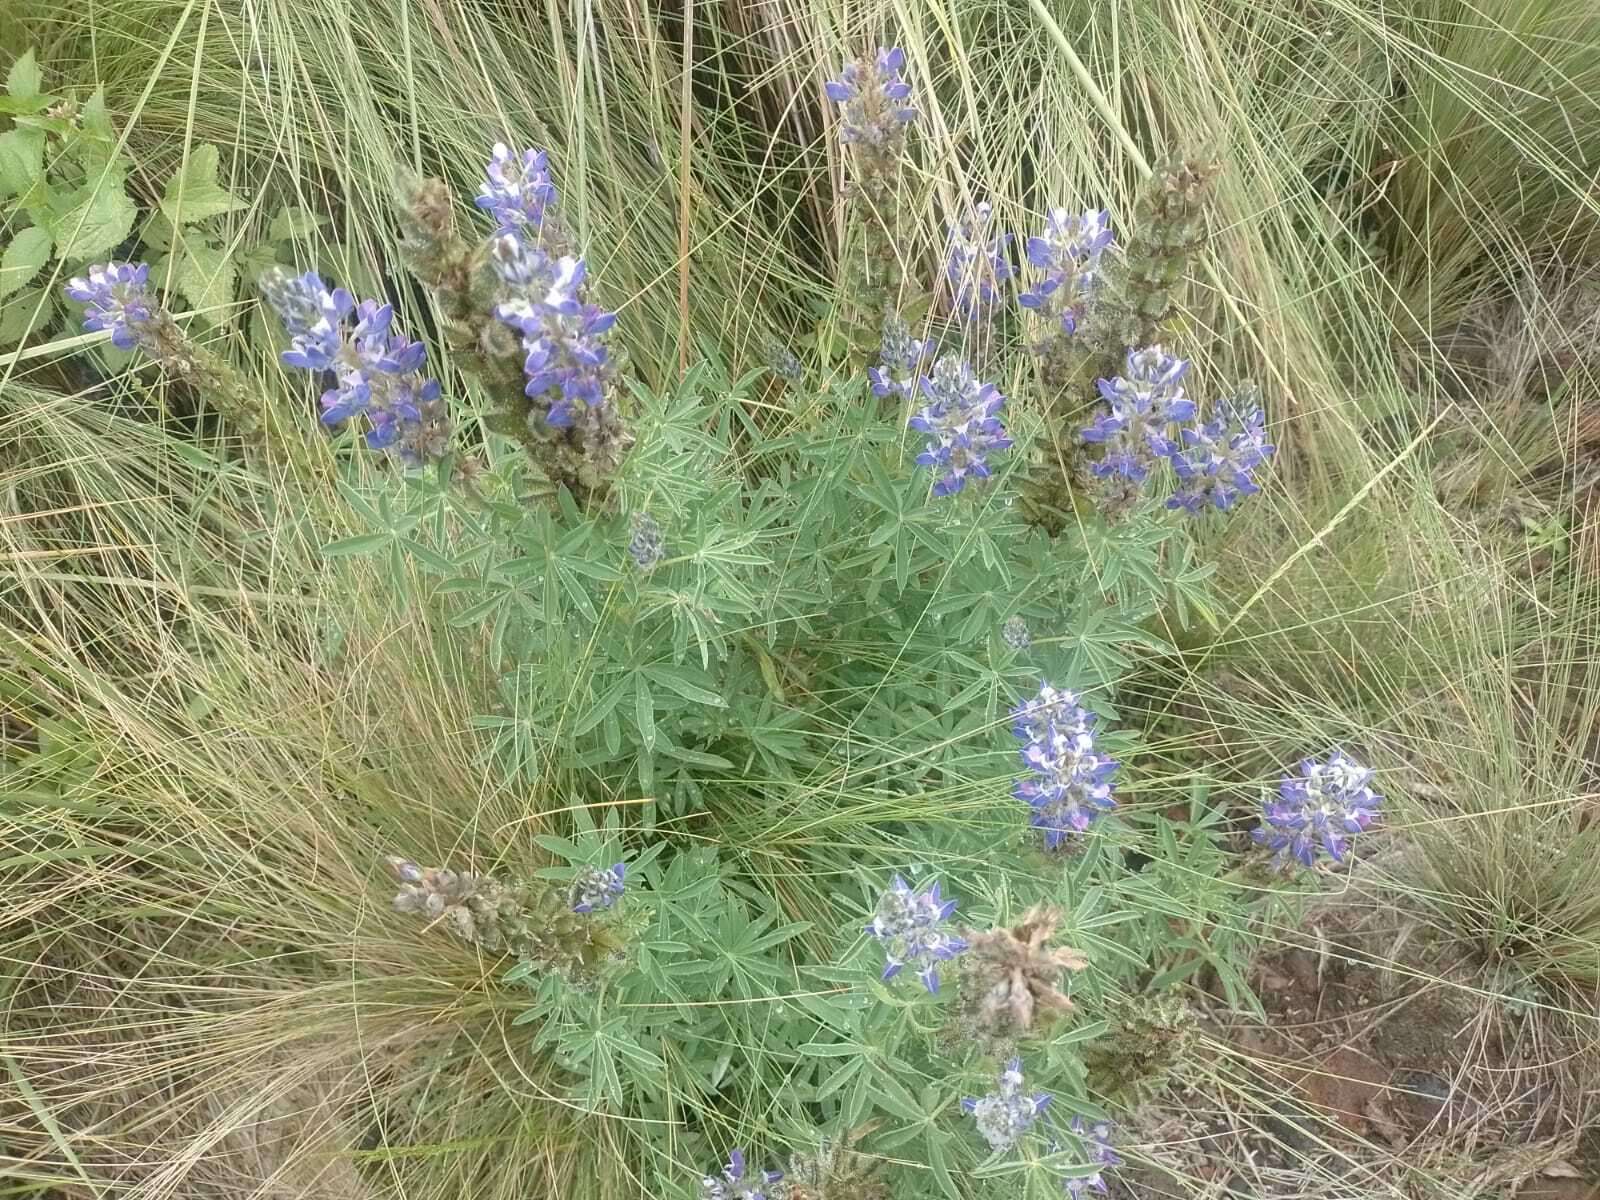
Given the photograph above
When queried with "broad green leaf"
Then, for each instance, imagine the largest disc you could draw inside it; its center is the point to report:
(95, 119)
(293, 222)
(21, 314)
(24, 81)
(92, 219)
(92, 140)
(203, 275)
(11, 106)
(193, 193)
(257, 260)
(28, 251)
(21, 161)
(157, 233)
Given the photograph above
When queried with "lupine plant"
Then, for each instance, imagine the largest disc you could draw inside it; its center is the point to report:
(875, 110)
(976, 263)
(376, 371)
(1320, 809)
(1008, 1112)
(702, 599)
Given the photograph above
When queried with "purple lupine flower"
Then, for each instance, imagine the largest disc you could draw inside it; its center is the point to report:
(1325, 806)
(1005, 1114)
(377, 371)
(908, 924)
(410, 400)
(1218, 457)
(900, 360)
(1096, 1136)
(517, 190)
(1144, 402)
(645, 544)
(961, 425)
(976, 263)
(297, 299)
(1068, 253)
(568, 363)
(315, 345)
(873, 99)
(731, 1183)
(116, 296)
(595, 890)
(1070, 784)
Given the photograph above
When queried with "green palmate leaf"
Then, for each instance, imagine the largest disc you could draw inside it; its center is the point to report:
(25, 79)
(193, 193)
(92, 219)
(27, 253)
(203, 275)
(22, 313)
(21, 161)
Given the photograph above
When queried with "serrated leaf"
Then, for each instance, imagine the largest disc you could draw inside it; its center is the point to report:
(21, 161)
(12, 107)
(157, 233)
(95, 119)
(92, 140)
(257, 260)
(28, 252)
(294, 222)
(203, 275)
(193, 193)
(92, 219)
(24, 81)
(21, 314)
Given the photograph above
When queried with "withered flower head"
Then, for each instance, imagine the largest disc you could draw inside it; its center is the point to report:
(1015, 974)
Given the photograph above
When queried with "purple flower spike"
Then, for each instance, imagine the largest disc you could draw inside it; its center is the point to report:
(377, 372)
(1321, 809)
(908, 926)
(961, 423)
(297, 299)
(731, 1183)
(1004, 1115)
(1068, 254)
(976, 264)
(1143, 403)
(595, 890)
(1217, 461)
(567, 363)
(874, 100)
(1070, 781)
(517, 190)
(116, 297)
(900, 361)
